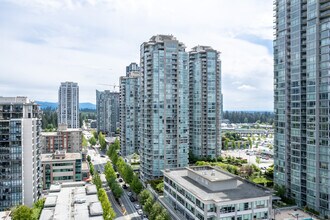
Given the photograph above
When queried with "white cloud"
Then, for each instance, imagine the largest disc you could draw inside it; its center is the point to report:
(91, 42)
(247, 88)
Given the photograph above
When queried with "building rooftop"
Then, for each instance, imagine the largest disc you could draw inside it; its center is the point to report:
(210, 183)
(72, 201)
(84, 166)
(60, 156)
(15, 100)
(5, 215)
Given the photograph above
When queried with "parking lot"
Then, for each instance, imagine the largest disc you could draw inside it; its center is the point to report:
(251, 156)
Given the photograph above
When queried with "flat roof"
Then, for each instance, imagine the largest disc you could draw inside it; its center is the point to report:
(84, 166)
(210, 173)
(5, 215)
(72, 202)
(244, 189)
(68, 156)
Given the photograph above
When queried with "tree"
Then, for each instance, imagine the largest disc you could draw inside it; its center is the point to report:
(92, 141)
(117, 190)
(91, 168)
(97, 180)
(136, 185)
(250, 142)
(148, 205)
(233, 145)
(109, 172)
(128, 173)
(21, 212)
(102, 141)
(257, 160)
(160, 187)
(156, 209)
(163, 215)
(226, 144)
(144, 195)
(108, 212)
(95, 135)
(88, 158)
(84, 142)
(37, 208)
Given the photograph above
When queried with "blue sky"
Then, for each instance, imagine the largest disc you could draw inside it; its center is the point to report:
(44, 42)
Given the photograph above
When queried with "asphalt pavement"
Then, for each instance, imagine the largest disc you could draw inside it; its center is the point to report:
(131, 213)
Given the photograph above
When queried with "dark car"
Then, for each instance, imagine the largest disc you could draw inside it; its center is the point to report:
(131, 198)
(120, 180)
(125, 186)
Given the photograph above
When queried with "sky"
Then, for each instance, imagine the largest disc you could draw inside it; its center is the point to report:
(46, 42)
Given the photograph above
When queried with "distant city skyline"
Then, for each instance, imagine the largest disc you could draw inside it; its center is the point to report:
(91, 42)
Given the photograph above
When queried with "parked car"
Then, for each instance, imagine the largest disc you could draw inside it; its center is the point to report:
(131, 198)
(129, 193)
(140, 212)
(137, 206)
(125, 186)
(120, 180)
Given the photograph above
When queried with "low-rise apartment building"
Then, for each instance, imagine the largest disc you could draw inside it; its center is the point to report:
(74, 201)
(207, 193)
(68, 139)
(62, 167)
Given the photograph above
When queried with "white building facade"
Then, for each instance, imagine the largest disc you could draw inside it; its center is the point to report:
(206, 193)
(68, 104)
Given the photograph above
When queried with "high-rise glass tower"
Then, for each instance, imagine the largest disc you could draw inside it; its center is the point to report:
(164, 120)
(301, 84)
(20, 175)
(68, 104)
(107, 108)
(204, 102)
(129, 113)
(133, 67)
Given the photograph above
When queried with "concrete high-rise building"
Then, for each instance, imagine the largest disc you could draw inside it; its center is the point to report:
(204, 102)
(129, 113)
(68, 104)
(301, 73)
(133, 67)
(107, 108)
(164, 120)
(20, 175)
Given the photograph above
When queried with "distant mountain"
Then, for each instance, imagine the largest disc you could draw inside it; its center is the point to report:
(43, 105)
(53, 105)
(87, 105)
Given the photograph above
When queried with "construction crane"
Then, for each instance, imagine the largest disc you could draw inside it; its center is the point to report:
(111, 85)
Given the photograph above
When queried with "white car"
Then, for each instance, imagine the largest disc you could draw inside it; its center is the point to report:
(140, 212)
(137, 206)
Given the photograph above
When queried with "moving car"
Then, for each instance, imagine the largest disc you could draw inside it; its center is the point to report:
(137, 206)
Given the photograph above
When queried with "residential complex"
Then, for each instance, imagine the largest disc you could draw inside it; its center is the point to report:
(61, 167)
(129, 113)
(72, 200)
(301, 71)
(133, 67)
(164, 122)
(107, 108)
(208, 193)
(204, 102)
(68, 139)
(68, 104)
(20, 176)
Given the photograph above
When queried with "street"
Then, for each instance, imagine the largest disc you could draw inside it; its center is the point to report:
(99, 162)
